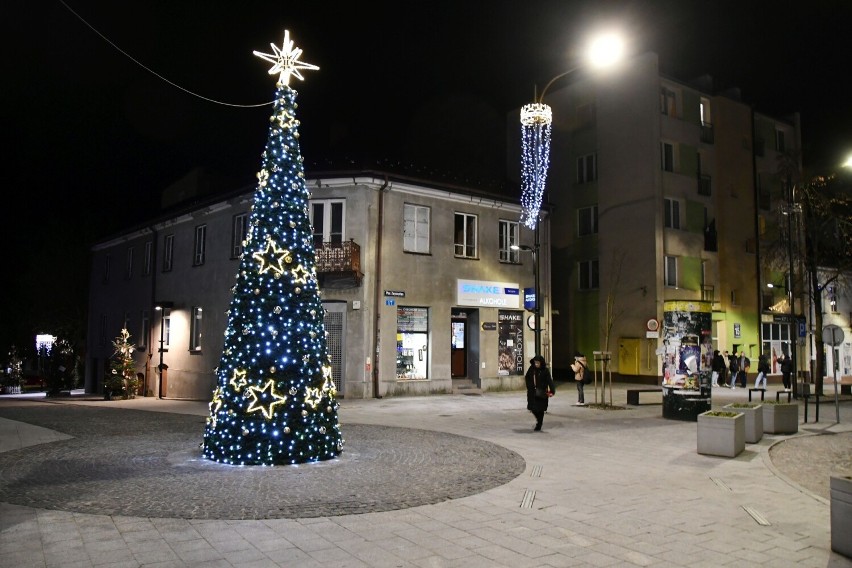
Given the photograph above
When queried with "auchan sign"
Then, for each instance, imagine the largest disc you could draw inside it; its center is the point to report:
(484, 294)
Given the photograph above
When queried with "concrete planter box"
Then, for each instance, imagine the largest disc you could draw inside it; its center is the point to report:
(753, 414)
(721, 435)
(841, 515)
(780, 418)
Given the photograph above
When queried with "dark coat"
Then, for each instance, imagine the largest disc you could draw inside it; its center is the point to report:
(539, 376)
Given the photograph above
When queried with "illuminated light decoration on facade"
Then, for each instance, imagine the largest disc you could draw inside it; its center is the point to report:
(536, 125)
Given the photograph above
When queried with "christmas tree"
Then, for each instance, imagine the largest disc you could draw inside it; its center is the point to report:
(275, 400)
(121, 378)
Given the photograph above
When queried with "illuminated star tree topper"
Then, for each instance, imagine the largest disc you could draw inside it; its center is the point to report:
(285, 60)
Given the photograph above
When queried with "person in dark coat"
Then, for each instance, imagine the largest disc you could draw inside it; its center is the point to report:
(786, 370)
(538, 375)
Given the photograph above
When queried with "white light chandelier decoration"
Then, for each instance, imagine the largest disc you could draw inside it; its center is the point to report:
(536, 120)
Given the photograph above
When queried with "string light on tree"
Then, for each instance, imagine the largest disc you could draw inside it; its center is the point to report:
(275, 401)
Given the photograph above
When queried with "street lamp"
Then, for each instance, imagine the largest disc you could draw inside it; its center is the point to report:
(162, 307)
(536, 123)
(537, 310)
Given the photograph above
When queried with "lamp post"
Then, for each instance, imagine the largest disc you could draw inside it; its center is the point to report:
(536, 123)
(162, 307)
(536, 287)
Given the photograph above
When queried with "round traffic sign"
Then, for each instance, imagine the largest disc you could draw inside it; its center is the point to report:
(832, 335)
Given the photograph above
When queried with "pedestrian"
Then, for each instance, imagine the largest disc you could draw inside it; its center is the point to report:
(717, 366)
(786, 370)
(537, 376)
(762, 371)
(745, 365)
(723, 374)
(579, 367)
(733, 367)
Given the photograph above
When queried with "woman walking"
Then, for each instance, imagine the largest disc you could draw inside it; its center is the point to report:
(538, 379)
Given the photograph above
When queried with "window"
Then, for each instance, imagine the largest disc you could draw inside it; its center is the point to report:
(327, 221)
(239, 228)
(107, 263)
(780, 145)
(465, 235)
(508, 237)
(149, 254)
(145, 330)
(668, 102)
(167, 327)
(412, 343)
(415, 228)
(587, 221)
(195, 329)
(704, 108)
(587, 169)
(168, 252)
(102, 340)
(128, 272)
(832, 299)
(667, 157)
(776, 341)
(200, 245)
(735, 300)
(671, 272)
(585, 115)
(671, 213)
(589, 277)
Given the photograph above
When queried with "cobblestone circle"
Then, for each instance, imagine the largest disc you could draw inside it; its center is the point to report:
(149, 464)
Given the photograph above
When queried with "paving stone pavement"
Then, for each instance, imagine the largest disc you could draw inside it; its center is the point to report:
(595, 488)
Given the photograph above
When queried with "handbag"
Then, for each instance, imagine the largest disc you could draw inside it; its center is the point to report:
(541, 392)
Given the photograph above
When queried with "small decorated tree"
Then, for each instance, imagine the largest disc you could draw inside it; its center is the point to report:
(60, 367)
(13, 378)
(121, 378)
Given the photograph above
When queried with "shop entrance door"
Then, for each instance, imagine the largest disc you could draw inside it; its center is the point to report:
(458, 352)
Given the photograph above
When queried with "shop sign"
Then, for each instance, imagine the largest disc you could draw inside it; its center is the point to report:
(486, 294)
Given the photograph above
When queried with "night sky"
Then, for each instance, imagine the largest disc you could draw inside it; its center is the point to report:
(91, 138)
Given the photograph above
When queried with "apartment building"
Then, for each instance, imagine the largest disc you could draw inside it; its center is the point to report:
(660, 198)
(422, 290)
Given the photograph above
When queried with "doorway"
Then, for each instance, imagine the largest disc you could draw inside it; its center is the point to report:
(458, 349)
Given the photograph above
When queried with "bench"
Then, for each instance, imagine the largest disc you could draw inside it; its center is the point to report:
(633, 395)
(779, 393)
(761, 391)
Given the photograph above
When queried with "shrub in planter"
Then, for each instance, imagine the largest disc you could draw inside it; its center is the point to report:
(721, 433)
(753, 413)
(780, 417)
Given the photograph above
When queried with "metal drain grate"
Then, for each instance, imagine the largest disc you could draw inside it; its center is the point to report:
(527, 501)
(757, 516)
(536, 471)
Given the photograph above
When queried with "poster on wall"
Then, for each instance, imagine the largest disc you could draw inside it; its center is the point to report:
(687, 343)
(510, 333)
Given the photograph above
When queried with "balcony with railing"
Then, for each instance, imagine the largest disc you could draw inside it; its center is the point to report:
(339, 264)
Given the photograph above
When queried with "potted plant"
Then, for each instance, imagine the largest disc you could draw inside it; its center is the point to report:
(753, 413)
(721, 433)
(780, 417)
(841, 514)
